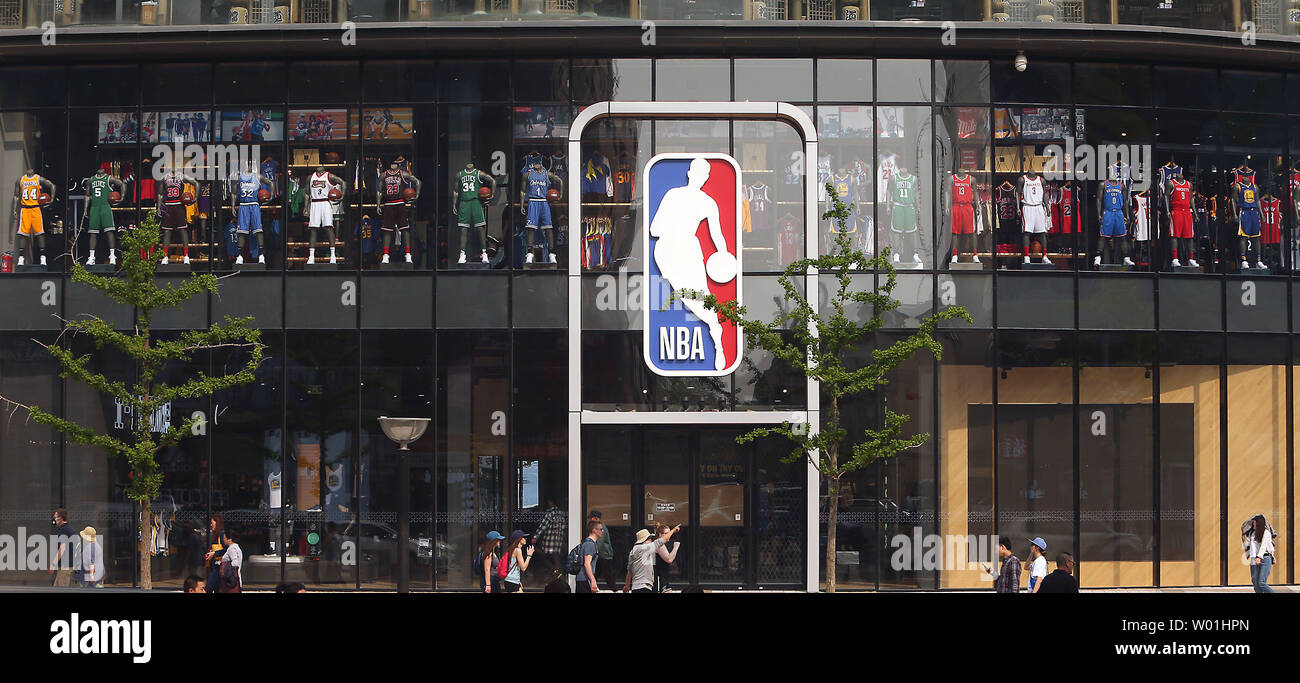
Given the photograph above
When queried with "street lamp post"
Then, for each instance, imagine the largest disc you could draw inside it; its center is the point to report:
(403, 431)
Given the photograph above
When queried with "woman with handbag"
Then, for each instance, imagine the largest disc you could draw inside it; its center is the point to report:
(1257, 540)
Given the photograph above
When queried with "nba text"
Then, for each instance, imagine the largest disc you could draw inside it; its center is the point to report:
(948, 552)
(1092, 162)
(77, 636)
(204, 162)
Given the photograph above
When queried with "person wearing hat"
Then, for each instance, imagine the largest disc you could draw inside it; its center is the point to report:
(641, 563)
(518, 562)
(604, 551)
(486, 563)
(1037, 563)
(91, 570)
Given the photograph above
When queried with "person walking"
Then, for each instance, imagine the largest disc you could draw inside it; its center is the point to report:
(91, 567)
(550, 535)
(1257, 540)
(664, 557)
(517, 562)
(641, 563)
(1007, 580)
(605, 549)
(1037, 563)
(486, 563)
(230, 571)
(586, 579)
(62, 567)
(1061, 580)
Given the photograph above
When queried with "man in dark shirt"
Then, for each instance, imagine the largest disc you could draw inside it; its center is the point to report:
(586, 581)
(1008, 579)
(1061, 580)
(62, 566)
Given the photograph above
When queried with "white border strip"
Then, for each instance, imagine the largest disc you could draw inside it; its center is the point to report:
(759, 111)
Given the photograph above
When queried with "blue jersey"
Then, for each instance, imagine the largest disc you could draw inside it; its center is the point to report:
(538, 184)
(1247, 196)
(247, 189)
(257, 127)
(270, 169)
(596, 175)
(1113, 196)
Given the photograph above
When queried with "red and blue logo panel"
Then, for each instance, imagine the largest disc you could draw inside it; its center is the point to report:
(691, 226)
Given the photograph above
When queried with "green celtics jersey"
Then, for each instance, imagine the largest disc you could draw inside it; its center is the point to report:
(904, 190)
(468, 181)
(98, 190)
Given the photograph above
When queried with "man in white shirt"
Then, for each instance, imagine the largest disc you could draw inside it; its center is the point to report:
(1037, 564)
(641, 563)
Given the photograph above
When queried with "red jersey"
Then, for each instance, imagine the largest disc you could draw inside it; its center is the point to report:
(1063, 209)
(1180, 195)
(963, 191)
(1271, 212)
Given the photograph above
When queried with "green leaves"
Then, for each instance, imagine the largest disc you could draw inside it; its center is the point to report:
(817, 343)
(135, 286)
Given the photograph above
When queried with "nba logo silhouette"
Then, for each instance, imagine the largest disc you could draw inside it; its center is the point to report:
(692, 244)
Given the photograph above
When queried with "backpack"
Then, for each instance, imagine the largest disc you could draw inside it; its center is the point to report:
(573, 563)
(503, 566)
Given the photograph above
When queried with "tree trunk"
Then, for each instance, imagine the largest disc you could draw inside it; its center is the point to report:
(146, 531)
(832, 517)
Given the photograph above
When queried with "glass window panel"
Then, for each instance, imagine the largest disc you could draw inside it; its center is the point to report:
(39, 145)
(324, 81)
(541, 444)
(845, 155)
(961, 81)
(249, 82)
(1035, 301)
(1190, 304)
(692, 79)
(963, 181)
(903, 80)
(477, 136)
(322, 442)
(1112, 84)
(1171, 87)
(844, 80)
(904, 182)
(908, 495)
(1190, 140)
(103, 86)
(29, 471)
(1190, 459)
(473, 81)
(597, 80)
(779, 80)
(393, 80)
(396, 380)
(1116, 421)
(965, 500)
(473, 396)
(1257, 457)
(1108, 302)
(1045, 82)
(176, 84)
(541, 80)
(1252, 91)
(1035, 470)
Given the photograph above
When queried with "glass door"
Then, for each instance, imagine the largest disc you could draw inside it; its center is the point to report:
(723, 472)
(666, 492)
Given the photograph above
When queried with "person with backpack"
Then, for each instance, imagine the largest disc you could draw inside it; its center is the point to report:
(485, 563)
(583, 558)
(514, 563)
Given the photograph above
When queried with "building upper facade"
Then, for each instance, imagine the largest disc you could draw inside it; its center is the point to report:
(1268, 17)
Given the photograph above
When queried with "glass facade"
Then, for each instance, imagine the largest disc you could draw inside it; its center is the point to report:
(1132, 413)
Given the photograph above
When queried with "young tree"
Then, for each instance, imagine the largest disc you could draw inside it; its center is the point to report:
(817, 344)
(136, 287)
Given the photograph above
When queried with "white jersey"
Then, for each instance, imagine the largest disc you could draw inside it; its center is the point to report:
(320, 186)
(1032, 192)
(1142, 218)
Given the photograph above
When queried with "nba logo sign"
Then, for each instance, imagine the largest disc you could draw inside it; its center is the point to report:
(692, 244)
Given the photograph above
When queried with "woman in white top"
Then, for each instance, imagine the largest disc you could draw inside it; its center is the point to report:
(1257, 538)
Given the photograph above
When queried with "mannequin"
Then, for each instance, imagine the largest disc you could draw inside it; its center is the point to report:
(963, 206)
(246, 206)
(904, 195)
(1178, 206)
(537, 211)
(394, 207)
(1245, 204)
(1033, 212)
(99, 211)
(1113, 207)
(27, 212)
(470, 208)
(1242, 172)
(320, 210)
(172, 210)
(1142, 206)
(1270, 209)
